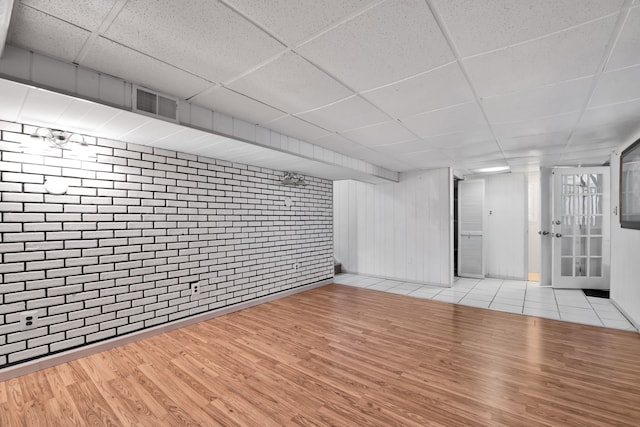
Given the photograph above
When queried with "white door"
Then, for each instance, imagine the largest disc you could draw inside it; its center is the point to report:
(580, 228)
(470, 228)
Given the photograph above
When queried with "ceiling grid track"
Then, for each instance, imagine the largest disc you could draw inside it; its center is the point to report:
(615, 35)
(449, 38)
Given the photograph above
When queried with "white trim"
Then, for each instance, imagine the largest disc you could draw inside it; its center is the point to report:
(84, 351)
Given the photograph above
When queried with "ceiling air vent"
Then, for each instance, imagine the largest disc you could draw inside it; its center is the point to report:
(153, 104)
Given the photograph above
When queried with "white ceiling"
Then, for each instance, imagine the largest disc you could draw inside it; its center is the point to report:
(404, 84)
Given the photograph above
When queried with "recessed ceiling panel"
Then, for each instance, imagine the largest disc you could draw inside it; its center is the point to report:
(390, 42)
(87, 14)
(542, 125)
(546, 101)
(351, 113)
(480, 26)
(380, 134)
(234, 104)
(429, 91)
(291, 84)
(115, 59)
(448, 120)
(617, 86)
(295, 21)
(293, 126)
(43, 33)
(558, 57)
(627, 49)
(204, 37)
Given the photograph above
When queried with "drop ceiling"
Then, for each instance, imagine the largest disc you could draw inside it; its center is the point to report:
(403, 84)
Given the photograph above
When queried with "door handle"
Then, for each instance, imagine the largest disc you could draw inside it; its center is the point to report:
(543, 232)
(558, 235)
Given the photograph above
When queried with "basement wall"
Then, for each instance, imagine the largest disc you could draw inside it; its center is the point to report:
(120, 251)
(401, 231)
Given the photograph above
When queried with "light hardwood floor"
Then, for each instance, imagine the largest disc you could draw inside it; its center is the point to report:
(347, 356)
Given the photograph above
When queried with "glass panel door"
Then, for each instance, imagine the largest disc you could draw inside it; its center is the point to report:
(580, 214)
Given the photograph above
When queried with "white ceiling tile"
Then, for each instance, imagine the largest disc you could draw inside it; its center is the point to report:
(460, 138)
(151, 131)
(339, 144)
(205, 38)
(617, 86)
(291, 84)
(448, 120)
(533, 142)
(115, 59)
(426, 159)
(559, 123)
(611, 114)
(384, 160)
(558, 57)
(380, 134)
(626, 51)
(42, 106)
(353, 112)
(237, 105)
(43, 33)
(487, 150)
(480, 26)
(87, 14)
(392, 41)
(520, 152)
(12, 98)
(615, 133)
(294, 21)
(404, 147)
(546, 101)
(434, 89)
(122, 123)
(96, 116)
(293, 126)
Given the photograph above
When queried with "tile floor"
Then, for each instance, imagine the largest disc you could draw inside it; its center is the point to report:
(512, 296)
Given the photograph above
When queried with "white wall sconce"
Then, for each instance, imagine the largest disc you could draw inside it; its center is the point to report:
(292, 179)
(44, 140)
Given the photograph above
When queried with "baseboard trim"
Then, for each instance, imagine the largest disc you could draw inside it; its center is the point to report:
(77, 353)
(441, 285)
(625, 314)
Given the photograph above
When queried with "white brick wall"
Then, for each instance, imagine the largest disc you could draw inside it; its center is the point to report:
(119, 251)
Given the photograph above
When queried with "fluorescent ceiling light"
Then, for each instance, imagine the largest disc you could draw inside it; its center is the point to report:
(493, 169)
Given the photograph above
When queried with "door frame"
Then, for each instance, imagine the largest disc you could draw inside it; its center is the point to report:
(566, 282)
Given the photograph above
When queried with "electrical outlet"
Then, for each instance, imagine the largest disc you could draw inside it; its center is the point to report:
(296, 266)
(195, 289)
(28, 320)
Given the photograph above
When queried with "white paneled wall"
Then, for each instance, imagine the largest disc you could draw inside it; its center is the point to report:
(506, 206)
(401, 231)
(625, 247)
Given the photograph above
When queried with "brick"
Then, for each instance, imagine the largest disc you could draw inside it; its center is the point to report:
(66, 344)
(28, 354)
(22, 177)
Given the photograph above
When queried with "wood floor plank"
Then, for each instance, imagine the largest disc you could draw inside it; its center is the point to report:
(341, 355)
